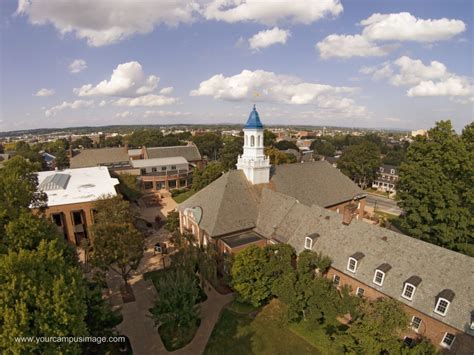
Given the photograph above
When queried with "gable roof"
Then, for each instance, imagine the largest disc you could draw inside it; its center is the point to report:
(406, 256)
(314, 183)
(97, 157)
(228, 205)
(188, 152)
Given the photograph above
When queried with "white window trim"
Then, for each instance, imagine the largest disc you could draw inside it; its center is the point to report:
(437, 304)
(310, 243)
(419, 326)
(444, 345)
(334, 280)
(349, 263)
(357, 291)
(375, 277)
(412, 294)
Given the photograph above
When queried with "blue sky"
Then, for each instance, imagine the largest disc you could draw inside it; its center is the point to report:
(393, 64)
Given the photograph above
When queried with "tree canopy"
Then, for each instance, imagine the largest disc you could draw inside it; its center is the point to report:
(229, 154)
(436, 188)
(203, 177)
(360, 161)
(115, 241)
(209, 144)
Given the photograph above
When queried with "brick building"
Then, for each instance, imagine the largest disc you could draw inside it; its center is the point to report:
(71, 197)
(156, 168)
(314, 206)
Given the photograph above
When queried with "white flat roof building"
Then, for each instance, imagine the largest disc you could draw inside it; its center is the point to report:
(76, 185)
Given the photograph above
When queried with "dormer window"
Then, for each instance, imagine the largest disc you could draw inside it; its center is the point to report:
(308, 242)
(353, 261)
(381, 170)
(379, 275)
(392, 171)
(410, 286)
(472, 321)
(443, 300)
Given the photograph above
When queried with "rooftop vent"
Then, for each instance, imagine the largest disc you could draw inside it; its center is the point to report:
(55, 182)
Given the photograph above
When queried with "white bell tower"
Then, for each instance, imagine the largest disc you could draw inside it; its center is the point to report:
(253, 161)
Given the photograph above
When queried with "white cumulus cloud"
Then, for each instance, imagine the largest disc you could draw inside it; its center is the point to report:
(166, 91)
(268, 38)
(150, 100)
(161, 113)
(128, 80)
(346, 46)
(74, 105)
(77, 65)
(406, 27)
(45, 92)
(106, 21)
(431, 79)
(267, 86)
(270, 12)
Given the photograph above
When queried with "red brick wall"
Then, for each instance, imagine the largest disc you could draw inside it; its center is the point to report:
(430, 328)
(340, 207)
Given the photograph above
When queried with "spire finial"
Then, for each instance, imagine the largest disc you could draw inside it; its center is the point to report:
(254, 107)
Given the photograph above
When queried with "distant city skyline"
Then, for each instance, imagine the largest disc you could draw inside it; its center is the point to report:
(380, 64)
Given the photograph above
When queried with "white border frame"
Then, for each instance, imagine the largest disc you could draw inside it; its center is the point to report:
(375, 276)
(310, 243)
(437, 304)
(404, 289)
(444, 345)
(355, 266)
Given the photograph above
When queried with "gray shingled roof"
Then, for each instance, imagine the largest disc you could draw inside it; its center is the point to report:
(438, 268)
(189, 152)
(96, 157)
(228, 205)
(314, 183)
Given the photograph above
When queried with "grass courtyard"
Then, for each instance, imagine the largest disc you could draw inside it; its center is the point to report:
(244, 330)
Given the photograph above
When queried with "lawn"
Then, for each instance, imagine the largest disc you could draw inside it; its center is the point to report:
(256, 333)
(183, 196)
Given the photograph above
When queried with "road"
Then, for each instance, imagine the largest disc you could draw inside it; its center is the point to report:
(383, 204)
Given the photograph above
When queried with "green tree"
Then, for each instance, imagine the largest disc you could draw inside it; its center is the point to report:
(24, 150)
(83, 142)
(62, 159)
(268, 138)
(435, 188)
(278, 157)
(176, 303)
(172, 222)
(18, 188)
(285, 145)
(41, 295)
(209, 144)
(359, 162)
(376, 330)
(203, 177)
(229, 154)
(116, 243)
(323, 147)
(115, 141)
(250, 276)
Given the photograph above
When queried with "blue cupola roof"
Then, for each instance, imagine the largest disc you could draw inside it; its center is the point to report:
(254, 120)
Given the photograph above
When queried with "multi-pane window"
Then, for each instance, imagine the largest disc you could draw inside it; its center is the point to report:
(442, 306)
(416, 323)
(378, 277)
(352, 264)
(308, 243)
(336, 279)
(448, 340)
(360, 291)
(408, 291)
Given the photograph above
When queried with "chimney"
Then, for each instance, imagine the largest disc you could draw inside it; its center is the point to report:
(126, 146)
(349, 211)
(144, 153)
